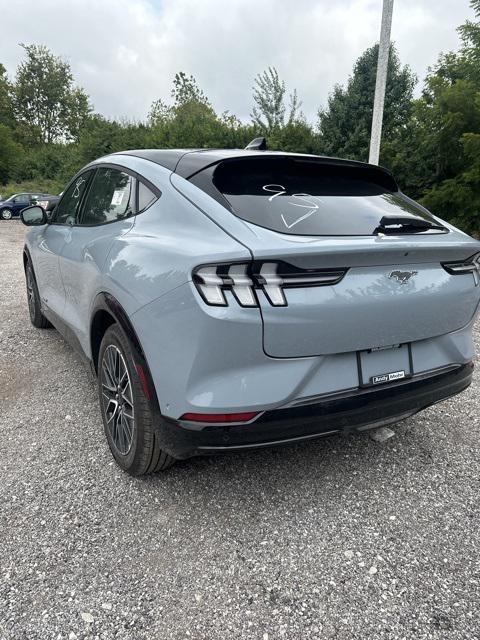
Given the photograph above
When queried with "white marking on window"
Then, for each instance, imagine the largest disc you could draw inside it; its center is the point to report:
(277, 189)
(309, 204)
(78, 184)
(307, 201)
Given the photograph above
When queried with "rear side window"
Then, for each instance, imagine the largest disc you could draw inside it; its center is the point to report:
(67, 209)
(302, 197)
(145, 197)
(110, 197)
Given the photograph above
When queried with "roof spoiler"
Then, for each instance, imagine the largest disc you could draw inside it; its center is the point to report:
(257, 144)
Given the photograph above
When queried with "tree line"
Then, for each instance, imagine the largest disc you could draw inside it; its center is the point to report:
(48, 128)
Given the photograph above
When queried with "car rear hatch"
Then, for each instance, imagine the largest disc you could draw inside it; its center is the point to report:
(343, 261)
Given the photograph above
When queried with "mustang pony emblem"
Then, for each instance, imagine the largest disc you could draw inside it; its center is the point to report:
(402, 276)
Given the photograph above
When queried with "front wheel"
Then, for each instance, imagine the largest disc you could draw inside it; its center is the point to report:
(5, 214)
(127, 416)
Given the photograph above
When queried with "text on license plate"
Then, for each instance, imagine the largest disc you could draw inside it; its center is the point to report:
(387, 377)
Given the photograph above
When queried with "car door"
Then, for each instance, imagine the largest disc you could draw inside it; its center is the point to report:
(107, 213)
(20, 202)
(48, 244)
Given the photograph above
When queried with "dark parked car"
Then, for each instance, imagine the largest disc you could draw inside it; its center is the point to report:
(49, 203)
(11, 207)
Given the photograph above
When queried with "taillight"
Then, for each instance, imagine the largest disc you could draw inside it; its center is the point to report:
(210, 286)
(244, 279)
(242, 285)
(471, 265)
(272, 282)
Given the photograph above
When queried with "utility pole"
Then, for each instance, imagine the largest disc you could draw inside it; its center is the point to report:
(380, 84)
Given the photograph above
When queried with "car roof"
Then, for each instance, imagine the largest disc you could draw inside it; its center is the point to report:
(29, 193)
(188, 162)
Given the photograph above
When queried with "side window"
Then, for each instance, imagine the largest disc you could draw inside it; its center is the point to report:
(23, 198)
(66, 210)
(110, 197)
(145, 197)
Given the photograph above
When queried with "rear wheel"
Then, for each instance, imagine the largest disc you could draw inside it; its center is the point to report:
(33, 298)
(5, 214)
(127, 416)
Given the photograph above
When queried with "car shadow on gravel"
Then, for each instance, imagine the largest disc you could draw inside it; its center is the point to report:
(337, 458)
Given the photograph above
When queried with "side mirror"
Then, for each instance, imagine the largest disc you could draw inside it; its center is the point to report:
(33, 216)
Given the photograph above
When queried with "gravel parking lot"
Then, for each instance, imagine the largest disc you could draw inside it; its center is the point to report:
(342, 538)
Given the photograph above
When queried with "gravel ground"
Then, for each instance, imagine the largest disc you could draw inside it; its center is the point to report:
(343, 538)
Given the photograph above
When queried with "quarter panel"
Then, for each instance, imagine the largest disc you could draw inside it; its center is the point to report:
(137, 260)
(203, 357)
(167, 241)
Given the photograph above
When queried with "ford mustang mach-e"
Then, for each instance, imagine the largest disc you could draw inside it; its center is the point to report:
(231, 299)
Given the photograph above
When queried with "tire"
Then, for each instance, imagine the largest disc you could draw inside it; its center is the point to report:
(128, 419)
(5, 214)
(33, 299)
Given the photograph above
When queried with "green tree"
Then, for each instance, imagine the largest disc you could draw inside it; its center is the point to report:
(437, 157)
(295, 137)
(185, 90)
(191, 120)
(458, 199)
(6, 99)
(452, 96)
(100, 136)
(345, 125)
(269, 110)
(160, 113)
(45, 99)
(10, 154)
(470, 53)
(55, 162)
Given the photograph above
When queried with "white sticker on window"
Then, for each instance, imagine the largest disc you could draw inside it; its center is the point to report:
(117, 197)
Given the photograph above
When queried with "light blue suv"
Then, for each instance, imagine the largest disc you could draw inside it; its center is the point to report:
(231, 300)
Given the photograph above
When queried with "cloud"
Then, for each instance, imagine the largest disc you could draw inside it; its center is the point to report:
(126, 52)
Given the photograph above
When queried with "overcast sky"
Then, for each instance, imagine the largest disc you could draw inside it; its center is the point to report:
(126, 52)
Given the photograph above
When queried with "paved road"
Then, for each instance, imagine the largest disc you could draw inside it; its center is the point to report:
(344, 538)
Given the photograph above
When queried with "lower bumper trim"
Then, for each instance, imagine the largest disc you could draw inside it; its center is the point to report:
(357, 412)
(263, 445)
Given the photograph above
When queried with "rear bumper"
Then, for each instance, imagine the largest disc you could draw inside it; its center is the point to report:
(356, 410)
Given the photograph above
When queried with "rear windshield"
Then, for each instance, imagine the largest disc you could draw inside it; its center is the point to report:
(304, 197)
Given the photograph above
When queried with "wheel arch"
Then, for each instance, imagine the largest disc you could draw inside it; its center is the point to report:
(26, 257)
(106, 311)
